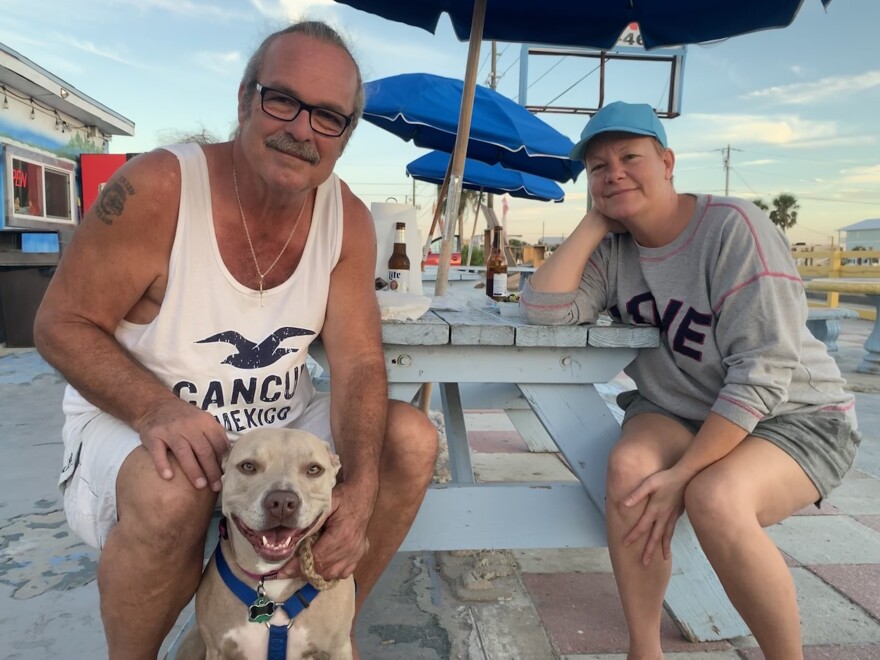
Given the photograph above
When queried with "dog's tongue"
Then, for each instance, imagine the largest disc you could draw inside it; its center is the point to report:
(276, 544)
(279, 535)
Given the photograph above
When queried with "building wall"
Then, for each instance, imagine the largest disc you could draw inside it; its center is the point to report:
(866, 238)
(47, 130)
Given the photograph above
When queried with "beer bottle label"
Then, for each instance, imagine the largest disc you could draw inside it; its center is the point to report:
(499, 285)
(398, 280)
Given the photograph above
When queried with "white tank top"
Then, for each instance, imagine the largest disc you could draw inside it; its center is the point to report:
(213, 343)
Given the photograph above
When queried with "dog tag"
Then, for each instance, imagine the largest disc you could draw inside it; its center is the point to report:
(261, 610)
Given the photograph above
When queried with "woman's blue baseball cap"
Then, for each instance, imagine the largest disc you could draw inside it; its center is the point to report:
(638, 118)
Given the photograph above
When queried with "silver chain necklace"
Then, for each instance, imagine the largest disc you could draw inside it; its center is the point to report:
(248, 234)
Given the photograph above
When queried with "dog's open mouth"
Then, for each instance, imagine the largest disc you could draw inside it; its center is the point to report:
(275, 544)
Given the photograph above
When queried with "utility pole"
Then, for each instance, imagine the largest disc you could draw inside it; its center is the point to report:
(727, 171)
(725, 156)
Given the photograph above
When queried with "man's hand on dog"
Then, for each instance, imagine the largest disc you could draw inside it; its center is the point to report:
(196, 439)
(344, 537)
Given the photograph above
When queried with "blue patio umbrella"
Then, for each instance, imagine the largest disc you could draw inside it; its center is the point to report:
(487, 178)
(423, 108)
(588, 23)
(591, 23)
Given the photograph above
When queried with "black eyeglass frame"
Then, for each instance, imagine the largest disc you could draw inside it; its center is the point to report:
(261, 90)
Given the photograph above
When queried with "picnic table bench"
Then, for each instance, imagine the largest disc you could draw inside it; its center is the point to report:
(870, 288)
(824, 323)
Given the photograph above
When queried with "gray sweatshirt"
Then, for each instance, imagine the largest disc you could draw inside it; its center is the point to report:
(731, 310)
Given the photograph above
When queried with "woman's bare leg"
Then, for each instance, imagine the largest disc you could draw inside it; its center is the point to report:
(728, 504)
(649, 443)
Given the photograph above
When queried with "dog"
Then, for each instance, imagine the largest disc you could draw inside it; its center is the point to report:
(276, 495)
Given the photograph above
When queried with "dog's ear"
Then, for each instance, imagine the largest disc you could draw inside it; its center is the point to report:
(334, 460)
(225, 459)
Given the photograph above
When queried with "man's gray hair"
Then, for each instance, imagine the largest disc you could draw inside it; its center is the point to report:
(316, 30)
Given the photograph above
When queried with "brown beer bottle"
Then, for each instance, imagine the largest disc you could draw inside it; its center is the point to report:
(496, 270)
(398, 264)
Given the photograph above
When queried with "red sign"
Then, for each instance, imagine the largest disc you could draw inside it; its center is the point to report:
(19, 178)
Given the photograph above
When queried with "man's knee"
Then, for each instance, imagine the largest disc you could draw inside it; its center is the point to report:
(410, 442)
(169, 515)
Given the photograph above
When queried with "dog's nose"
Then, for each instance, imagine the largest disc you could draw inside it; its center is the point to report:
(281, 502)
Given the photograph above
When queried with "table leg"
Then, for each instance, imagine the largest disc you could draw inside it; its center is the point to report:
(456, 435)
(870, 363)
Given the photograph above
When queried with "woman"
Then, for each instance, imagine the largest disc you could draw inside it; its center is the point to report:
(740, 417)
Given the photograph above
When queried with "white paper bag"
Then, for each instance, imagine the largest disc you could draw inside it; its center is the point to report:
(386, 217)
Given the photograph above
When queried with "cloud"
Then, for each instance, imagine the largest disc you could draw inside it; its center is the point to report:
(869, 174)
(92, 49)
(188, 8)
(292, 9)
(225, 63)
(825, 89)
(710, 131)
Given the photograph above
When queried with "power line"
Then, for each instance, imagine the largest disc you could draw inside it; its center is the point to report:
(576, 83)
(558, 62)
(745, 183)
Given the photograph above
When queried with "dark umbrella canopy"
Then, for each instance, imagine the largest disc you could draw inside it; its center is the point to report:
(593, 23)
(424, 108)
(488, 178)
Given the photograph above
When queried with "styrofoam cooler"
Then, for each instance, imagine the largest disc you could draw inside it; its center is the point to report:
(386, 216)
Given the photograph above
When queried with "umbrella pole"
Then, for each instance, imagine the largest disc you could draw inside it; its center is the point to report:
(461, 140)
(443, 188)
(474, 227)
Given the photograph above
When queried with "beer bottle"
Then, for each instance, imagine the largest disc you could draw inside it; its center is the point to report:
(398, 264)
(496, 270)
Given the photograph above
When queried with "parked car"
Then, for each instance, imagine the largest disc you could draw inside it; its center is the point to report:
(433, 256)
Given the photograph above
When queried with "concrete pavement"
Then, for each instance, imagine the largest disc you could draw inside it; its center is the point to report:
(471, 605)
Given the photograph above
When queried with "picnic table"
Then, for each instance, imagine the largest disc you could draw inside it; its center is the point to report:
(870, 288)
(547, 376)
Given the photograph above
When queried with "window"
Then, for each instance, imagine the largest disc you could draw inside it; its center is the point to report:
(39, 188)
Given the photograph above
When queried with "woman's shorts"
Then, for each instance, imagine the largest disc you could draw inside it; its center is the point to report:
(824, 444)
(99, 444)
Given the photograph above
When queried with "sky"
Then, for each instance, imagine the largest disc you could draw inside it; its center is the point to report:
(798, 107)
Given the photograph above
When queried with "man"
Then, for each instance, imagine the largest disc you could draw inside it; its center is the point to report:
(740, 417)
(181, 316)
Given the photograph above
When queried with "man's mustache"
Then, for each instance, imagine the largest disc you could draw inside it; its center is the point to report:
(287, 144)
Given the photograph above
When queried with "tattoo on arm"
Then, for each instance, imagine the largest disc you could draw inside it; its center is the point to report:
(112, 200)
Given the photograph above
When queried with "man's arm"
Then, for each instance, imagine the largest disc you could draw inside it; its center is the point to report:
(116, 268)
(352, 338)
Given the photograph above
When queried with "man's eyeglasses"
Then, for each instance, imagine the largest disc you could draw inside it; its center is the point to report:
(287, 108)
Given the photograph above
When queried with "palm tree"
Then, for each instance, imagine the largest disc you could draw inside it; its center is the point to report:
(785, 211)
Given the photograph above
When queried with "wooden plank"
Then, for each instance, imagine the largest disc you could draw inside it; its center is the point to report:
(531, 431)
(624, 335)
(501, 516)
(477, 328)
(429, 330)
(460, 465)
(504, 364)
(551, 335)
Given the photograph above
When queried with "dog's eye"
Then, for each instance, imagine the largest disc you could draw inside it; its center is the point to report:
(314, 470)
(247, 466)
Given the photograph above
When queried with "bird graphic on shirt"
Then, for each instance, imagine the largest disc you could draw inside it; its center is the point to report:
(250, 355)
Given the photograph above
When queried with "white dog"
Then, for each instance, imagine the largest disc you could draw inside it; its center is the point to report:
(277, 486)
